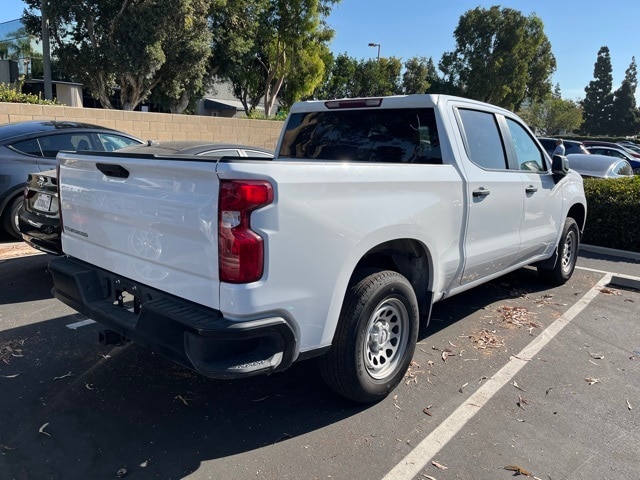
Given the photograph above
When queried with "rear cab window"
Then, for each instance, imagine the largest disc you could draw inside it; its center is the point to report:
(392, 135)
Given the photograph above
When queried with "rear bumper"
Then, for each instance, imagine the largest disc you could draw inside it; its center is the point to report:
(192, 335)
(40, 231)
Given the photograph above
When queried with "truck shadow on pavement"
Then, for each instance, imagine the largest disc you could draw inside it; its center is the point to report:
(25, 279)
(72, 408)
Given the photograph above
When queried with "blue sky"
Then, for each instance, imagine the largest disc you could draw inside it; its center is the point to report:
(407, 28)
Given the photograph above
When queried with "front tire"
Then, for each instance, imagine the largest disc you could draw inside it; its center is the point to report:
(567, 255)
(375, 338)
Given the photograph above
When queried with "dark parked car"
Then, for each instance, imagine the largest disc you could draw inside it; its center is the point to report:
(598, 143)
(617, 153)
(31, 147)
(39, 219)
(200, 147)
(570, 146)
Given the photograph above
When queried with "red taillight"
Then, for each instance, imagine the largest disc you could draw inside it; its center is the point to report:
(240, 249)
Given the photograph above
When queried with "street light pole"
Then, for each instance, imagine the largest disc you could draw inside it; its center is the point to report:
(376, 45)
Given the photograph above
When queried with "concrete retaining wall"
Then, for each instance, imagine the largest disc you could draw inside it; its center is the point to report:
(154, 126)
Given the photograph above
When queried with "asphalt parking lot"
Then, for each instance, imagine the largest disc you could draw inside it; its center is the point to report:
(510, 378)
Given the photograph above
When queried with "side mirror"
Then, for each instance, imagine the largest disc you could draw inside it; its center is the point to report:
(559, 165)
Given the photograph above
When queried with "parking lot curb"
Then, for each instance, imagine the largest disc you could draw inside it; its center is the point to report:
(625, 282)
(610, 251)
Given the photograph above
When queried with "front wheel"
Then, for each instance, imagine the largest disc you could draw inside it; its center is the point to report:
(567, 255)
(375, 338)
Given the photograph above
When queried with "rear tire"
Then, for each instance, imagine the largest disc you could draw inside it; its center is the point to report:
(375, 338)
(567, 255)
(10, 217)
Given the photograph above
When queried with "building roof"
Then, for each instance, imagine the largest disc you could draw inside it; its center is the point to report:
(220, 104)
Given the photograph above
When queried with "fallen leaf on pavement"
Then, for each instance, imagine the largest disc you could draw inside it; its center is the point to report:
(610, 291)
(438, 465)
(522, 402)
(515, 384)
(426, 410)
(41, 429)
(518, 470)
(591, 380)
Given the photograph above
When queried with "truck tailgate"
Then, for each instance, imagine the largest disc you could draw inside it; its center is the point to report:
(145, 219)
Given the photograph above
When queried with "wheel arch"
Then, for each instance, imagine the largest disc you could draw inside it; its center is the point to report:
(12, 194)
(408, 257)
(579, 213)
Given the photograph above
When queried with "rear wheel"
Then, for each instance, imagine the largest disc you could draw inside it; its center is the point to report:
(375, 338)
(567, 255)
(10, 217)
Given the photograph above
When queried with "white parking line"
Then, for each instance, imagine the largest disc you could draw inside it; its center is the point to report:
(428, 448)
(83, 323)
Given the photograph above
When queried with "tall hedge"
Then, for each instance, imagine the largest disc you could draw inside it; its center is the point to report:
(613, 213)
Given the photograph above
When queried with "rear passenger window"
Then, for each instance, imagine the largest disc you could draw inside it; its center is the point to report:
(52, 144)
(483, 141)
(30, 147)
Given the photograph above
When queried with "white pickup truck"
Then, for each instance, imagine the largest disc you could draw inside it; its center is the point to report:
(372, 210)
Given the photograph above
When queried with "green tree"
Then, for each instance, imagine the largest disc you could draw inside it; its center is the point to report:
(553, 116)
(351, 78)
(598, 100)
(340, 81)
(418, 74)
(501, 57)
(308, 71)
(184, 77)
(380, 77)
(124, 43)
(234, 27)
(282, 39)
(624, 113)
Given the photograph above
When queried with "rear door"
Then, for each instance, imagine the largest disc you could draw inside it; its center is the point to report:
(495, 193)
